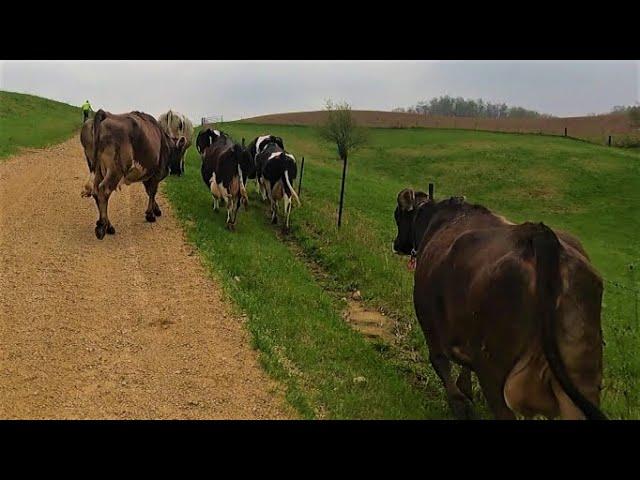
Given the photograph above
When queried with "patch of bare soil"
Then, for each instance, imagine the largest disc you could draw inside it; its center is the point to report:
(128, 327)
(371, 323)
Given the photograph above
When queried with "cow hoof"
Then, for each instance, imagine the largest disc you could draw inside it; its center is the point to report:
(465, 387)
(150, 217)
(462, 409)
(231, 227)
(111, 230)
(100, 231)
(157, 212)
(274, 221)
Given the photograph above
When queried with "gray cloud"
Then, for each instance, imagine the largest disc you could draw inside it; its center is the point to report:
(246, 88)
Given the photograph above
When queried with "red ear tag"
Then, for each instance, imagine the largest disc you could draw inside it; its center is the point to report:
(412, 264)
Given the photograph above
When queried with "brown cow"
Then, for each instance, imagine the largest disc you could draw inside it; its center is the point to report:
(517, 304)
(86, 139)
(126, 148)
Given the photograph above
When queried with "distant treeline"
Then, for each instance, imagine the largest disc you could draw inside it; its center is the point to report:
(460, 107)
(632, 110)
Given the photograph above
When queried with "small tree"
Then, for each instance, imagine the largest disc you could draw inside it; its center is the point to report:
(634, 115)
(340, 128)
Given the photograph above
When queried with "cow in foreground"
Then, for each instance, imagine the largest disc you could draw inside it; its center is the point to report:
(177, 125)
(276, 169)
(519, 305)
(124, 149)
(221, 172)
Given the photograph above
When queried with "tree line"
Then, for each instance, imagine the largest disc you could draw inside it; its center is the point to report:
(460, 107)
(632, 110)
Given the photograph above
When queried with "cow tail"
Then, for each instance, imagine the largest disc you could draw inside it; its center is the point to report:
(292, 191)
(546, 248)
(97, 120)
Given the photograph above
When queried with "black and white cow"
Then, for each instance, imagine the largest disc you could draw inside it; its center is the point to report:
(276, 169)
(256, 147)
(247, 165)
(205, 138)
(221, 172)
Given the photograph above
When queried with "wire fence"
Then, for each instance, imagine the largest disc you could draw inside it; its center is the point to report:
(211, 119)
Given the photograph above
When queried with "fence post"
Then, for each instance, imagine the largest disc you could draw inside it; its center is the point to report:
(431, 191)
(565, 131)
(344, 173)
(609, 140)
(300, 182)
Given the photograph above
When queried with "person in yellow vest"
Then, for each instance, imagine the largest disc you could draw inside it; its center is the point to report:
(86, 108)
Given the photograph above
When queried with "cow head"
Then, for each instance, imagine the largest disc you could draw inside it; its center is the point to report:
(205, 138)
(407, 205)
(176, 152)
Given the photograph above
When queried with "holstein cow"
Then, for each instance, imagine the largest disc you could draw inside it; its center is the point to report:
(221, 172)
(126, 148)
(177, 125)
(517, 304)
(276, 169)
(257, 146)
(205, 138)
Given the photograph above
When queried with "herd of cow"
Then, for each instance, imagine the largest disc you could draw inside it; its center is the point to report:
(135, 147)
(518, 305)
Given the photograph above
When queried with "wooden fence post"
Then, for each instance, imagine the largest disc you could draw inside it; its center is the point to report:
(431, 191)
(344, 173)
(565, 131)
(609, 140)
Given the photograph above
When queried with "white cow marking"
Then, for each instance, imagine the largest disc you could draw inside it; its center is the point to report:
(259, 142)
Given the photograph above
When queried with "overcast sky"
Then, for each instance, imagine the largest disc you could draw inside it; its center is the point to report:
(240, 89)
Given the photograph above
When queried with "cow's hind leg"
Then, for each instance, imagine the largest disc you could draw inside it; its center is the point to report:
(464, 382)
(103, 225)
(153, 210)
(274, 212)
(232, 211)
(274, 205)
(287, 211)
(102, 188)
(492, 385)
(458, 402)
(263, 190)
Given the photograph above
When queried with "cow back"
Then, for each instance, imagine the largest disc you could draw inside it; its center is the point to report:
(263, 157)
(136, 136)
(215, 158)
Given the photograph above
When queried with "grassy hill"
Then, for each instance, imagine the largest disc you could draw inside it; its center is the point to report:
(30, 121)
(292, 290)
(595, 129)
